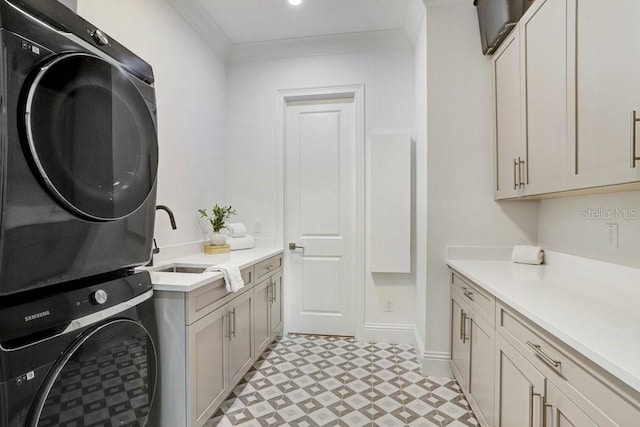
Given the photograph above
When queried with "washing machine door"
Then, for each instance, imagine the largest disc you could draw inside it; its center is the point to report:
(107, 377)
(92, 136)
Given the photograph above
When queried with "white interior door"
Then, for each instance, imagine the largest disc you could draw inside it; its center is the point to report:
(321, 216)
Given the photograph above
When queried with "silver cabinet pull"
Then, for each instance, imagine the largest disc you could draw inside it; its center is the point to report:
(521, 172)
(533, 394)
(634, 123)
(465, 337)
(545, 357)
(467, 293)
(515, 173)
(275, 294)
(293, 247)
(233, 333)
(544, 414)
(461, 325)
(270, 291)
(228, 316)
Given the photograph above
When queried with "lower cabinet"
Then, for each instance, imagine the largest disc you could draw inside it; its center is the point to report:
(564, 412)
(276, 309)
(269, 309)
(515, 374)
(210, 338)
(206, 365)
(519, 388)
(472, 356)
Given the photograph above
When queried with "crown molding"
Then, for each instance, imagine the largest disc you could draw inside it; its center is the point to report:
(202, 23)
(199, 19)
(322, 45)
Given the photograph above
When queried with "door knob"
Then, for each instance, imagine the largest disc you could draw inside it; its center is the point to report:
(293, 247)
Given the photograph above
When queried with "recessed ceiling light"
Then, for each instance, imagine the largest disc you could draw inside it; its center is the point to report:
(295, 2)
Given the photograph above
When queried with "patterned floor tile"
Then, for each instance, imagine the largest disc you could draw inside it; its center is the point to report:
(309, 381)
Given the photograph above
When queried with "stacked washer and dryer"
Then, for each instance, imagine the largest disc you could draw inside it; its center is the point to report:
(78, 164)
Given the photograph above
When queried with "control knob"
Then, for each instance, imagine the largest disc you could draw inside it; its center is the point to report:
(99, 297)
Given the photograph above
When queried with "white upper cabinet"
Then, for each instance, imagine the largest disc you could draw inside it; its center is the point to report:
(510, 148)
(579, 88)
(544, 45)
(607, 82)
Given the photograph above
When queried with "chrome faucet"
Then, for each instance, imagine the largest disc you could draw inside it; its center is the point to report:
(172, 219)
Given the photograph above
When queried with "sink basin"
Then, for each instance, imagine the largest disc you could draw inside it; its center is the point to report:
(176, 268)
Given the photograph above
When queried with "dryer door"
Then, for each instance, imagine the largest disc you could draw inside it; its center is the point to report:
(108, 376)
(92, 136)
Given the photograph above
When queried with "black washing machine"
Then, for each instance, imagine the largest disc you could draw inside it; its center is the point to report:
(78, 149)
(83, 357)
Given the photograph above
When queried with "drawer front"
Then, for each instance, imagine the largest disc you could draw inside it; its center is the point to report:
(601, 396)
(268, 266)
(206, 299)
(482, 302)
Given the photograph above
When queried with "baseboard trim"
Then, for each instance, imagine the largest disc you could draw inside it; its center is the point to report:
(392, 333)
(432, 363)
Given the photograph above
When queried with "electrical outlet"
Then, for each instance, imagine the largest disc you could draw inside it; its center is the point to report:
(388, 304)
(612, 235)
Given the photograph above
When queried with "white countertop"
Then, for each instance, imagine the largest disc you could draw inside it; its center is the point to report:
(187, 282)
(592, 306)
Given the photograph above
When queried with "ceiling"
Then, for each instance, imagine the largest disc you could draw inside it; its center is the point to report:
(244, 27)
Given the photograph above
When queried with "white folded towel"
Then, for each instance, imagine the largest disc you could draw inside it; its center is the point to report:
(232, 276)
(236, 243)
(524, 254)
(237, 229)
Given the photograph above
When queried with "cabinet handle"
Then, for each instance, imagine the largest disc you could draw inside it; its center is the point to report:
(233, 333)
(467, 293)
(515, 173)
(634, 123)
(532, 394)
(270, 291)
(544, 414)
(228, 316)
(521, 172)
(530, 406)
(545, 357)
(464, 327)
(275, 294)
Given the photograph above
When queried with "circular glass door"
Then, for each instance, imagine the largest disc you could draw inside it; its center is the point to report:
(108, 377)
(92, 136)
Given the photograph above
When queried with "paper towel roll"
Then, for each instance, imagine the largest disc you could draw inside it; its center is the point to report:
(524, 254)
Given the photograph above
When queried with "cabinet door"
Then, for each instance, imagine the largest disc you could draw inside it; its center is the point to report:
(564, 413)
(481, 363)
(608, 90)
(509, 146)
(262, 323)
(519, 391)
(459, 344)
(276, 305)
(241, 354)
(543, 34)
(207, 365)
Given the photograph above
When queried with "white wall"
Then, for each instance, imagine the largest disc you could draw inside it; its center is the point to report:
(460, 206)
(420, 136)
(190, 90)
(256, 155)
(578, 226)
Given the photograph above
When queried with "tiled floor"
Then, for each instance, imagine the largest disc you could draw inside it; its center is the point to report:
(333, 381)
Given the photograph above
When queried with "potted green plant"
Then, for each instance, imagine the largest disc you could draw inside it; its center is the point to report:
(217, 218)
